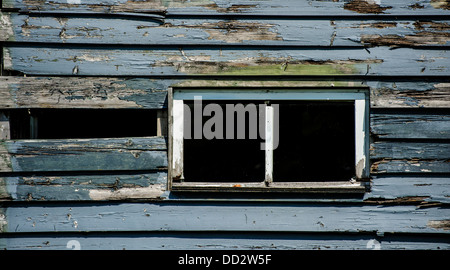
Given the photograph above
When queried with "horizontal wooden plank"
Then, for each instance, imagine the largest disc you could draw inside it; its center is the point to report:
(84, 187)
(412, 94)
(220, 241)
(410, 126)
(225, 61)
(147, 186)
(214, 217)
(410, 150)
(410, 166)
(110, 92)
(279, 32)
(83, 155)
(92, 93)
(255, 7)
(399, 189)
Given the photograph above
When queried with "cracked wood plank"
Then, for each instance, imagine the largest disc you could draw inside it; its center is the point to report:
(224, 241)
(105, 187)
(215, 217)
(279, 32)
(225, 61)
(110, 92)
(91, 93)
(413, 166)
(256, 7)
(384, 189)
(394, 188)
(410, 126)
(410, 94)
(410, 150)
(83, 155)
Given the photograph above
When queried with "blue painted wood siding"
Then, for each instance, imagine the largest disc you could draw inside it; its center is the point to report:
(112, 194)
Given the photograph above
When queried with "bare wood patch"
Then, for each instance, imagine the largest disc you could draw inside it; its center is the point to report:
(439, 224)
(442, 4)
(421, 38)
(54, 92)
(150, 192)
(365, 6)
(438, 97)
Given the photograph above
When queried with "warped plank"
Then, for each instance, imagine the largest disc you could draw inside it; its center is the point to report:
(280, 32)
(409, 150)
(395, 189)
(54, 92)
(225, 61)
(83, 187)
(410, 166)
(151, 186)
(416, 94)
(221, 241)
(410, 126)
(83, 155)
(213, 217)
(256, 7)
(114, 93)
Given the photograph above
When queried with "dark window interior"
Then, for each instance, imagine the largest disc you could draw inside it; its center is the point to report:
(316, 143)
(82, 123)
(221, 160)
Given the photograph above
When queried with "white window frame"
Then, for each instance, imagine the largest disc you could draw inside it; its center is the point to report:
(359, 96)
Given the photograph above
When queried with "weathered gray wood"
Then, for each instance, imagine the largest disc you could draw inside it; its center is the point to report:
(400, 189)
(222, 241)
(410, 150)
(258, 7)
(54, 92)
(257, 31)
(83, 155)
(410, 166)
(84, 187)
(411, 126)
(99, 92)
(225, 61)
(388, 189)
(214, 217)
(409, 94)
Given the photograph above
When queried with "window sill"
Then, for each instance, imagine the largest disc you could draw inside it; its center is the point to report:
(292, 187)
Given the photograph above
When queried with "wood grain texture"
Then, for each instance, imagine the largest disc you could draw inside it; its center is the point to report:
(195, 31)
(111, 92)
(403, 94)
(410, 150)
(413, 166)
(85, 187)
(222, 241)
(92, 93)
(398, 189)
(225, 61)
(258, 7)
(84, 155)
(410, 126)
(150, 186)
(216, 217)
(410, 157)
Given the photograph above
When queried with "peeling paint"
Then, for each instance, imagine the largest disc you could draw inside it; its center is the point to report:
(152, 191)
(439, 224)
(365, 6)
(441, 4)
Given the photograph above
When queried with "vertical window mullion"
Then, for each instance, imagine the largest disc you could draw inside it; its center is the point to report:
(269, 144)
(361, 158)
(177, 139)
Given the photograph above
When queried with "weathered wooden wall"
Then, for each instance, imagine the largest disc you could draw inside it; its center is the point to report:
(111, 193)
